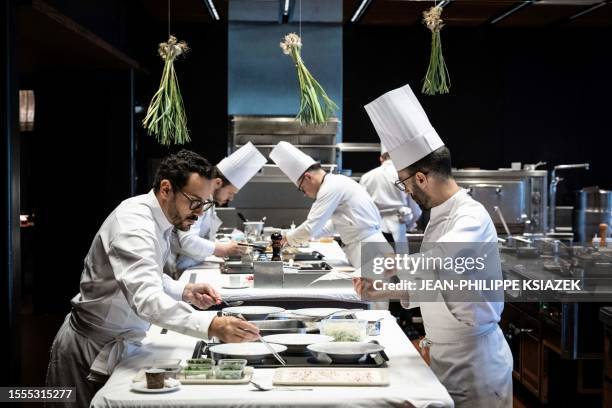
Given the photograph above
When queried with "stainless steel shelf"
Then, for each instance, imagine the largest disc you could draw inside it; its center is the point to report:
(358, 147)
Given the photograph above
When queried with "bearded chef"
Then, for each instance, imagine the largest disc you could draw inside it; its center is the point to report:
(398, 211)
(230, 175)
(123, 289)
(341, 205)
(468, 351)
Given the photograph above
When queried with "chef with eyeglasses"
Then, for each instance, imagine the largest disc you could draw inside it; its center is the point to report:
(192, 247)
(123, 289)
(468, 351)
(398, 211)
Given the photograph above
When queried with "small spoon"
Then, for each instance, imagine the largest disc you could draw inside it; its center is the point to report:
(232, 304)
(262, 388)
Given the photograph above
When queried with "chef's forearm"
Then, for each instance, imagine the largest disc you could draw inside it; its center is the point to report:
(196, 247)
(299, 235)
(173, 287)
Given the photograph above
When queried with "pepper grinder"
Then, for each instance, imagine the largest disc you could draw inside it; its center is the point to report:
(277, 239)
(603, 232)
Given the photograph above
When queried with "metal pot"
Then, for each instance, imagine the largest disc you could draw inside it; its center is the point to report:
(593, 207)
(253, 229)
(546, 246)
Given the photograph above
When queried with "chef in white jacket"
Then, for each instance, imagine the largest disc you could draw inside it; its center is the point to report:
(398, 211)
(341, 205)
(468, 351)
(231, 174)
(123, 289)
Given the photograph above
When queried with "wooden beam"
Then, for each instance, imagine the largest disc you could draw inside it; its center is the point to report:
(51, 38)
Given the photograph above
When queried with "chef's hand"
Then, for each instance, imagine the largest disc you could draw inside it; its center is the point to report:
(364, 287)
(232, 330)
(201, 295)
(223, 249)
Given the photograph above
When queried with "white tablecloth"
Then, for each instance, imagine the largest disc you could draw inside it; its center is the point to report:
(333, 254)
(412, 382)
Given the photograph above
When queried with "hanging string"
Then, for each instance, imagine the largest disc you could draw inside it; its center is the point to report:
(168, 18)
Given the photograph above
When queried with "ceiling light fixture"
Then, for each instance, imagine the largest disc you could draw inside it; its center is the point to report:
(512, 11)
(212, 10)
(360, 10)
(592, 8)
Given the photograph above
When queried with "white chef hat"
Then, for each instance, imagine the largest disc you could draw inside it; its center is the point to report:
(291, 160)
(240, 166)
(403, 127)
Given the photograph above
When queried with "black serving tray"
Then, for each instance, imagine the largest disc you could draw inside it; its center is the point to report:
(314, 256)
(298, 360)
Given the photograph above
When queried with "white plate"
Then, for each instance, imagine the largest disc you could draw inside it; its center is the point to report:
(253, 312)
(346, 348)
(169, 386)
(246, 349)
(343, 269)
(297, 339)
(320, 311)
(343, 351)
(250, 351)
(235, 287)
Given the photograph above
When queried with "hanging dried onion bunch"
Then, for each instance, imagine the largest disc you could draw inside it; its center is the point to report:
(311, 92)
(166, 119)
(437, 79)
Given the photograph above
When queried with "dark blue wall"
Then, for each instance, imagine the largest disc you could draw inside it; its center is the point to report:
(262, 80)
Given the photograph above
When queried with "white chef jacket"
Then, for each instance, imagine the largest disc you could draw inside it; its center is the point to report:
(469, 353)
(343, 206)
(195, 245)
(123, 289)
(398, 210)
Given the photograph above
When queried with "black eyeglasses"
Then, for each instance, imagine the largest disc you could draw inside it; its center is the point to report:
(195, 203)
(400, 183)
(300, 185)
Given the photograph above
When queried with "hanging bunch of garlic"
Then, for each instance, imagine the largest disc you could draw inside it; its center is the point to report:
(311, 92)
(437, 79)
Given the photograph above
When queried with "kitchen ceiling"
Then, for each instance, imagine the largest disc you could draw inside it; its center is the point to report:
(457, 13)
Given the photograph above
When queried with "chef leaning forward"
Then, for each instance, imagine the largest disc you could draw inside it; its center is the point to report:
(192, 247)
(397, 210)
(467, 348)
(341, 205)
(123, 289)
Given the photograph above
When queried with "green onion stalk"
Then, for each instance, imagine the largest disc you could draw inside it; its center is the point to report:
(311, 92)
(437, 79)
(166, 119)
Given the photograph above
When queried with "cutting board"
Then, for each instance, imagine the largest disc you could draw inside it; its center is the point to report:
(331, 376)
